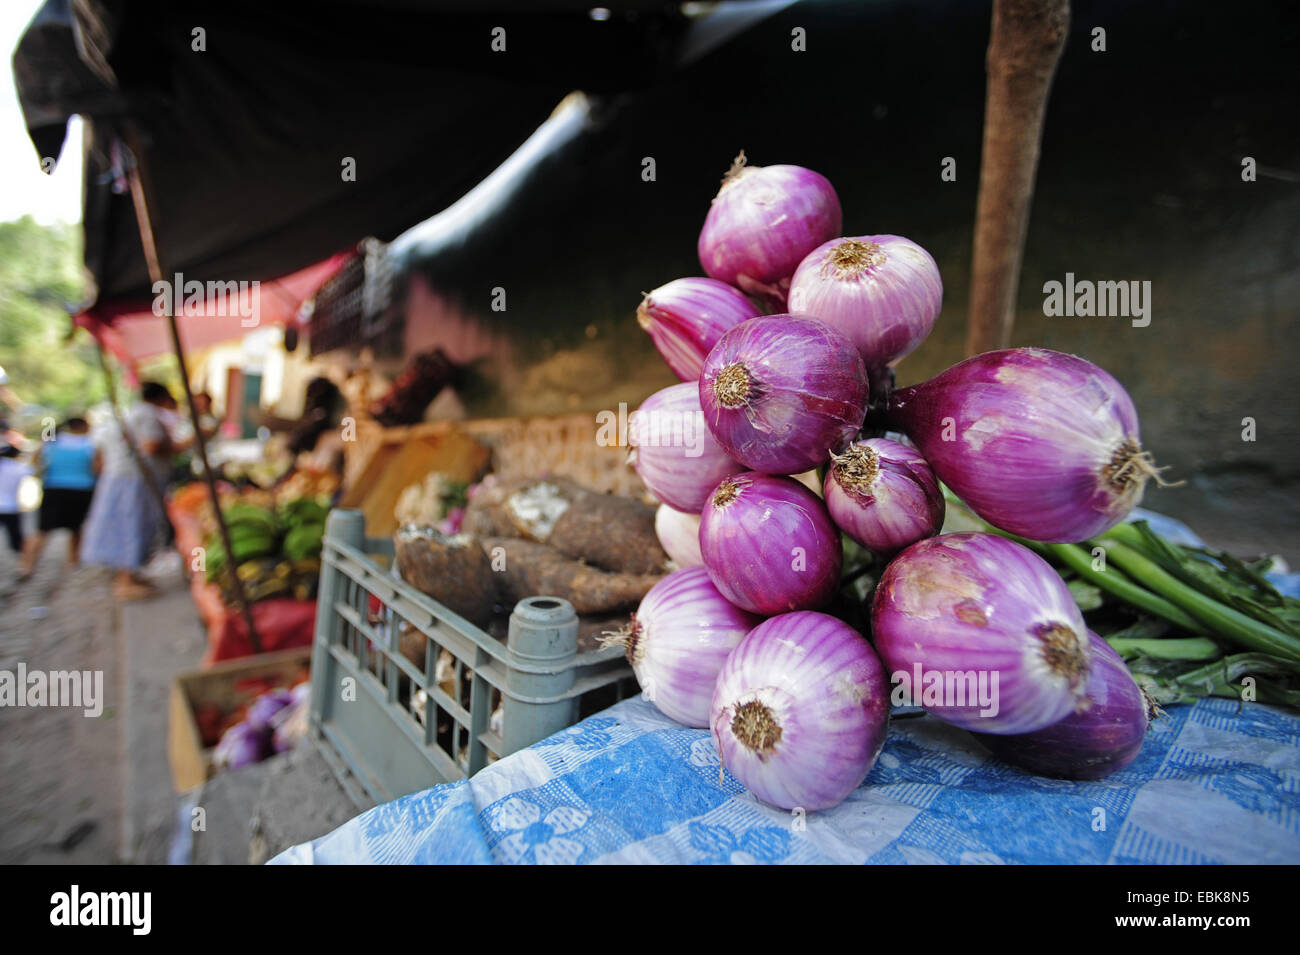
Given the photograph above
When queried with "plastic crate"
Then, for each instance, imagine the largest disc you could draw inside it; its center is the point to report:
(390, 728)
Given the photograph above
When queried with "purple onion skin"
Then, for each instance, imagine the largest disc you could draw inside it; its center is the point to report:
(882, 291)
(762, 223)
(242, 745)
(883, 495)
(266, 706)
(800, 711)
(686, 317)
(677, 457)
(679, 535)
(769, 545)
(682, 633)
(1094, 742)
(1033, 440)
(801, 393)
(978, 603)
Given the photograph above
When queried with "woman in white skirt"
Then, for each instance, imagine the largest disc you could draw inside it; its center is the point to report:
(125, 516)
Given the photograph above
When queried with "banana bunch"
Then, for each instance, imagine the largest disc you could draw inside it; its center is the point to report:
(254, 532)
(304, 522)
(276, 553)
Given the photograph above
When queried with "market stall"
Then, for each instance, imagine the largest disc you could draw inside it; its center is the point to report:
(277, 535)
(1049, 668)
(868, 623)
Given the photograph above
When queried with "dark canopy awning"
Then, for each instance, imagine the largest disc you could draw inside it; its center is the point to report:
(251, 113)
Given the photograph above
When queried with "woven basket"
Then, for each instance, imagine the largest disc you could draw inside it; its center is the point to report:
(564, 446)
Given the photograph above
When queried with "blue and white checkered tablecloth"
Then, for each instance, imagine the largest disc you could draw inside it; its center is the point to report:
(1216, 782)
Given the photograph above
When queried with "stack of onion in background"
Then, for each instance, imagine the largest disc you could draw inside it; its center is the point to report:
(772, 452)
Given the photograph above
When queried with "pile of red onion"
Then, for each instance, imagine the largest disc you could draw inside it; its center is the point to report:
(773, 451)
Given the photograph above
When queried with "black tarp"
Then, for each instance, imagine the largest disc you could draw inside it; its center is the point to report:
(246, 138)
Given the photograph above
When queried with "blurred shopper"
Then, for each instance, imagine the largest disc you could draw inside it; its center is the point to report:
(12, 473)
(125, 513)
(67, 466)
(314, 436)
(208, 422)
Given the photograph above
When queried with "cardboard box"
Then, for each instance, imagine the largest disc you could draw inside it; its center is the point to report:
(220, 684)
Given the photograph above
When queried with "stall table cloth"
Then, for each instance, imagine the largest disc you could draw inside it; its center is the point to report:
(1216, 782)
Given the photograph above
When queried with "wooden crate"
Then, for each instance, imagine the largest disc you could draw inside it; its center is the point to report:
(191, 761)
(386, 461)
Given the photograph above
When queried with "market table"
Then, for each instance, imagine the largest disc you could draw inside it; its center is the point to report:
(1216, 782)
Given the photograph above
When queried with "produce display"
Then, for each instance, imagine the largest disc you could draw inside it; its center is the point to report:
(272, 723)
(276, 549)
(453, 570)
(613, 533)
(1029, 459)
(437, 501)
(520, 538)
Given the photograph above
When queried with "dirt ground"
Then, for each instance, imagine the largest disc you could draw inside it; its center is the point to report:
(78, 789)
(60, 771)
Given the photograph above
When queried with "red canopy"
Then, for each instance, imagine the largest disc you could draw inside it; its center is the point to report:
(133, 330)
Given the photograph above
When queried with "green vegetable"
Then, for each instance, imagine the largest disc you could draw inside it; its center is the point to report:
(1166, 648)
(1218, 617)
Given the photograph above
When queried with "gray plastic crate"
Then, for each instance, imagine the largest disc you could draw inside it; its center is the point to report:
(389, 728)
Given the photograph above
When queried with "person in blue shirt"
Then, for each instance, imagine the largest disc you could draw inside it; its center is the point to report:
(68, 466)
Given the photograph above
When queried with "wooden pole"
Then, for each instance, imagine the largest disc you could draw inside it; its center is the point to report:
(1024, 47)
(140, 191)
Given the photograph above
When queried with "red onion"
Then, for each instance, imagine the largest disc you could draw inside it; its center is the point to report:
(242, 745)
(883, 495)
(686, 317)
(781, 392)
(762, 223)
(1094, 742)
(679, 535)
(677, 457)
(982, 632)
(1039, 443)
(882, 291)
(800, 711)
(769, 544)
(263, 710)
(678, 640)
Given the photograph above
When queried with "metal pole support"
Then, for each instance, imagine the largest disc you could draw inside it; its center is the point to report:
(347, 527)
(543, 636)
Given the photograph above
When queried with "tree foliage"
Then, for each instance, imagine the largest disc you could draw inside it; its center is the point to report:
(40, 281)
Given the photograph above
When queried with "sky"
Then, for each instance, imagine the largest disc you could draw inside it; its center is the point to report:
(24, 189)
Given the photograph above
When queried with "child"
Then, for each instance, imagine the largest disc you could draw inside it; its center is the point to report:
(12, 473)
